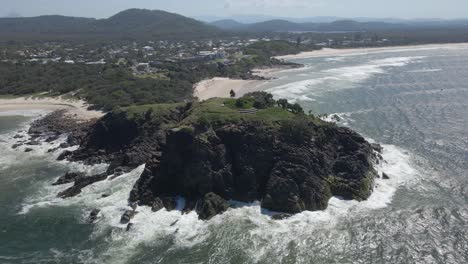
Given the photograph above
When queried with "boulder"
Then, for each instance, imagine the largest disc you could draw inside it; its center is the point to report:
(127, 216)
(210, 206)
(93, 216)
(385, 176)
(129, 227)
(157, 205)
(377, 147)
(15, 146)
(64, 145)
(33, 143)
(28, 150)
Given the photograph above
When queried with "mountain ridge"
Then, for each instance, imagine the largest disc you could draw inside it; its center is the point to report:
(131, 23)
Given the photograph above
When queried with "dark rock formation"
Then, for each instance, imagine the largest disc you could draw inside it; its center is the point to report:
(385, 176)
(157, 205)
(122, 142)
(127, 216)
(93, 216)
(280, 216)
(69, 177)
(377, 147)
(80, 183)
(28, 150)
(33, 143)
(210, 206)
(248, 162)
(15, 146)
(290, 165)
(58, 123)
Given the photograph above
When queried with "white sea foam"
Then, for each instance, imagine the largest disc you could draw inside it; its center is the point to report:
(25, 112)
(343, 78)
(426, 70)
(335, 59)
(187, 230)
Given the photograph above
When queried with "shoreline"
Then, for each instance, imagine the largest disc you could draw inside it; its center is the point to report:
(220, 87)
(350, 51)
(75, 109)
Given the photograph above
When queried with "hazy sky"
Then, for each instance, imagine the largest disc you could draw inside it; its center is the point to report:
(285, 8)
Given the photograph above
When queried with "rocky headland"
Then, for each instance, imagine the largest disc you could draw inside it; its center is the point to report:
(250, 149)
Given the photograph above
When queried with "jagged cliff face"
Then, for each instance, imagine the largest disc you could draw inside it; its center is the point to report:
(248, 162)
(209, 153)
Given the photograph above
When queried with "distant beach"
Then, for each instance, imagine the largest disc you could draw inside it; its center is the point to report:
(77, 109)
(343, 52)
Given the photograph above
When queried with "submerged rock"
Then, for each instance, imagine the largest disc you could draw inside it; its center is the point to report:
(280, 216)
(28, 150)
(93, 216)
(385, 176)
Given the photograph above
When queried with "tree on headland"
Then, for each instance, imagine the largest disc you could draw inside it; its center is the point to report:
(283, 103)
(232, 94)
(296, 108)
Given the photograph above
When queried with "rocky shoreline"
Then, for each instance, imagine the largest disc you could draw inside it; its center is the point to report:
(210, 164)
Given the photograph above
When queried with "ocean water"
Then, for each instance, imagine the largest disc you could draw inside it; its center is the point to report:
(413, 101)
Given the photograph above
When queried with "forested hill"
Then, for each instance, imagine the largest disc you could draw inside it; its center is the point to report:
(129, 24)
(339, 25)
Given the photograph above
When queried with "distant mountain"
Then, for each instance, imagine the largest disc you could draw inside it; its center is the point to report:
(132, 23)
(44, 24)
(279, 25)
(227, 24)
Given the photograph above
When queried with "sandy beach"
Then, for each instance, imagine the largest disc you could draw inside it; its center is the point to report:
(75, 108)
(220, 87)
(343, 52)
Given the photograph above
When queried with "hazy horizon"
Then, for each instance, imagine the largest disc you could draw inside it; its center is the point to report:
(399, 9)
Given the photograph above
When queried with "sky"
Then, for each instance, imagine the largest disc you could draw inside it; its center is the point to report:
(447, 9)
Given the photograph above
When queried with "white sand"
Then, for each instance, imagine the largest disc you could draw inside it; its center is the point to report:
(343, 52)
(221, 87)
(75, 108)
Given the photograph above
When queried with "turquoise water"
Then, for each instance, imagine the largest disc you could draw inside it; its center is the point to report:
(412, 101)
